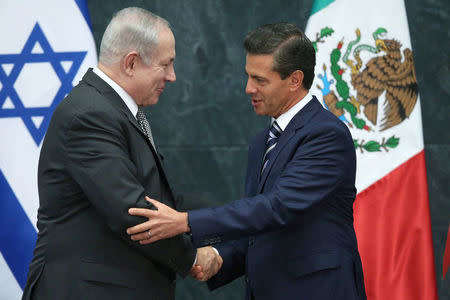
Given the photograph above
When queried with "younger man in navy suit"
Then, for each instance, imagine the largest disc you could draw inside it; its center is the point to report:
(292, 234)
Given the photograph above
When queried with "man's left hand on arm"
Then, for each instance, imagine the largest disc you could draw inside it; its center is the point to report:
(162, 223)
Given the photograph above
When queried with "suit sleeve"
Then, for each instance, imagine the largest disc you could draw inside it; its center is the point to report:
(99, 162)
(234, 255)
(313, 174)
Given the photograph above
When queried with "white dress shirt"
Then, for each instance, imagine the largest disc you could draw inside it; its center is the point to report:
(286, 117)
(130, 103)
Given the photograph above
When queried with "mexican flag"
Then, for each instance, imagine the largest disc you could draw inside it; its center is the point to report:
(365, 75)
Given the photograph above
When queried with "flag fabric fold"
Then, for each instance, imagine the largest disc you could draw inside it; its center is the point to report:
(44, 52)
(365, 76)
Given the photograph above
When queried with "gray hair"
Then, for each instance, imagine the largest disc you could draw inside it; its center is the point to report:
(130, 29)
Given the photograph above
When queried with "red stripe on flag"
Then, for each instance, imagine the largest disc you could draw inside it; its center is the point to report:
(392, 223)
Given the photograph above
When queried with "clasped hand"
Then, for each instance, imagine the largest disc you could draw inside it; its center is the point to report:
(207, 265)
(165, 223)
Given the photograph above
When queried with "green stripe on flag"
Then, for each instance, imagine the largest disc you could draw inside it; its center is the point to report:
(319, 5)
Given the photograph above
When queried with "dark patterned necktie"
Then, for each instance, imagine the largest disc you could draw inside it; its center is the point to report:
(145, 126)
(274, 133)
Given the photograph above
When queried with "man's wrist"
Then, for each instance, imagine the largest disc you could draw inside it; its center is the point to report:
(186, 225)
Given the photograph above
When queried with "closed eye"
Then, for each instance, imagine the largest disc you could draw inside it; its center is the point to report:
(259, 80)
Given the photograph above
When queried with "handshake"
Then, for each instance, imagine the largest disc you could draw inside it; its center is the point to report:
(166, 222)
(208, 263)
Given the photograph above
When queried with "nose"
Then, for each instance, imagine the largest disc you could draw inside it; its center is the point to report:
(250, 89)
(170, 76)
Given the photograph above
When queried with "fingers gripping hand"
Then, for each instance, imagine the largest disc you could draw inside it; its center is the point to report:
(197, 272)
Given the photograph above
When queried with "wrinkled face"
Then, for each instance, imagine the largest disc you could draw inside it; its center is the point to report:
(150, 79)
(268, 92)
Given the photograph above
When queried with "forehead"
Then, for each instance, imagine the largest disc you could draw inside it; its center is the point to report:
(259, 64)
(165, 35)
(166, 43)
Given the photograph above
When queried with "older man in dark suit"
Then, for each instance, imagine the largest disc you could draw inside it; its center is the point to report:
(99, 159)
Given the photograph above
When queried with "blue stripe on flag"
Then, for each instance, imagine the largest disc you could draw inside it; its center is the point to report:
(17, 234)
(82, 5)
(319, 5)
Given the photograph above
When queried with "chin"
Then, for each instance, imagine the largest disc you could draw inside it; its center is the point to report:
(260, 112)
(151, 102)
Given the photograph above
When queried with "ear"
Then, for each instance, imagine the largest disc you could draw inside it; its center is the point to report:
(129, 62)
(295, 80)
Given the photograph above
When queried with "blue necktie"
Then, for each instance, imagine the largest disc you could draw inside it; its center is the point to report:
(274, 133)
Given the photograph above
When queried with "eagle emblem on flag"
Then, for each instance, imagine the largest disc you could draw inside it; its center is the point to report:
(369, 86)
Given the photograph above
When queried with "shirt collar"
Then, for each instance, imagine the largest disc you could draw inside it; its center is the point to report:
(130, 103)
(286, 117)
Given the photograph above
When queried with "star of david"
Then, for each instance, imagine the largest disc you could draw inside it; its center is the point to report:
(55, 59)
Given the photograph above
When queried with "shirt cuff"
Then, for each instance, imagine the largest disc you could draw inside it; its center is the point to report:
(195, 260)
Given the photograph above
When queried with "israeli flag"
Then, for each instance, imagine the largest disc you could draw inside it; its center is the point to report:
(45, 48)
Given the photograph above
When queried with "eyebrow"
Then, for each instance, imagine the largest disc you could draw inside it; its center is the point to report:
(257, 77)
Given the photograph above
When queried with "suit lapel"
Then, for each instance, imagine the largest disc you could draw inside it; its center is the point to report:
(106, 90)
(258, 155)
(297, 122)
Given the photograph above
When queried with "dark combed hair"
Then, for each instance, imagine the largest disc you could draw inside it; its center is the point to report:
(290, 47)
